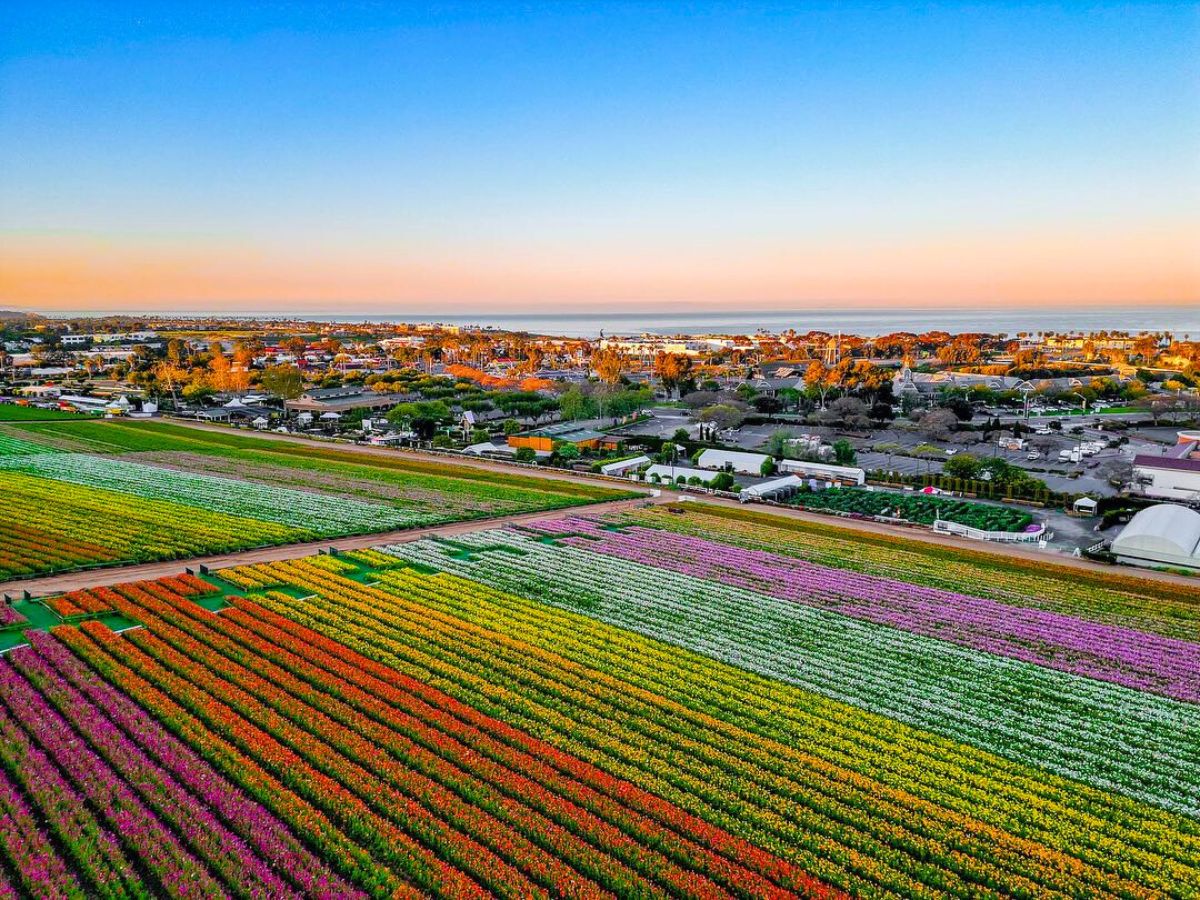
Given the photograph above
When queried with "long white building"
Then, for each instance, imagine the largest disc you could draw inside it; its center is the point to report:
(1173, 476)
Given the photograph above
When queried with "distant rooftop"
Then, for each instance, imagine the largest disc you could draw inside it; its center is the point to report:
(1148, 461)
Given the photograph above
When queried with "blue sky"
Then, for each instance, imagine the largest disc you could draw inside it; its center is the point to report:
(514, 156)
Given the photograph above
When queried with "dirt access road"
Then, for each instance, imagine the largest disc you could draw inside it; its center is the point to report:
(71, 581)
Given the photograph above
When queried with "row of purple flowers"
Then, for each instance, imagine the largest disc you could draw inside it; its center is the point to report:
(9, 616)
(1146, 662)
(138, 812)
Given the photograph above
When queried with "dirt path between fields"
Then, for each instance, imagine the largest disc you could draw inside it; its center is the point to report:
(70, 581)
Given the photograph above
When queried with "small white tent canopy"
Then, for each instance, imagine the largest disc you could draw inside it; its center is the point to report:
(260, 422)
(329, 416)
(1165, 534)
(1084, 505)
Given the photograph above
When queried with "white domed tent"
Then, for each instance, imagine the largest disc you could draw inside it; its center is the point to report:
(1162, 535)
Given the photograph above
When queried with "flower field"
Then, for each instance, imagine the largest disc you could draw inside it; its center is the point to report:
(11, 446)
(82, 493)
(1110, 597)
(1104, 734)
(631, 706)
(243, 754)
(1110, 653)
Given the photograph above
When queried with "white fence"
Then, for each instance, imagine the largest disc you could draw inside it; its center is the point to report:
(978, 534)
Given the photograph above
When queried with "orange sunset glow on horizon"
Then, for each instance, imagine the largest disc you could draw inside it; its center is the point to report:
(1157, 266)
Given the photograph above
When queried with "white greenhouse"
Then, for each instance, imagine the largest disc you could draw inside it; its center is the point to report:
(1162, 535)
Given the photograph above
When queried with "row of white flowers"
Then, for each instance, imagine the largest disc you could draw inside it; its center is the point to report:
(1106, 735)
(322, 514)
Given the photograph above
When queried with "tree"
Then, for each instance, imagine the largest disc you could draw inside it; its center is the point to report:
(961, 407)
(816, 381)
(849, 412)
(197, 391)
(964, 466)
(882, 412)
(619, 403)
(511, 426)
(574, 404)
(285, 382)
(722, 415)
(888, 448)
(768, 467)
(681, 435)
(172, 377)
(566, 451)
(609, 364)
(960, 351)
(778, 445)
(723, 482)
(423, 416)
(746, 391)
(767, 405)
(701, 399)
(672, 369)
(928, 452)
(177, 351)
(937, 424)
(525, 454)
(843, 452)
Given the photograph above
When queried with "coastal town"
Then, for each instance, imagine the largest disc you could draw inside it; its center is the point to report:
(1048, 439)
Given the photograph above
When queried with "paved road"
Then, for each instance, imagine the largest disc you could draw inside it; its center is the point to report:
(70, 581)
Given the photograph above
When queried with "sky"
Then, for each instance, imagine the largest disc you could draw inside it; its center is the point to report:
(551, 157)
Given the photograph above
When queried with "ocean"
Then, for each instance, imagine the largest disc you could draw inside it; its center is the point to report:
(1182, 321)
